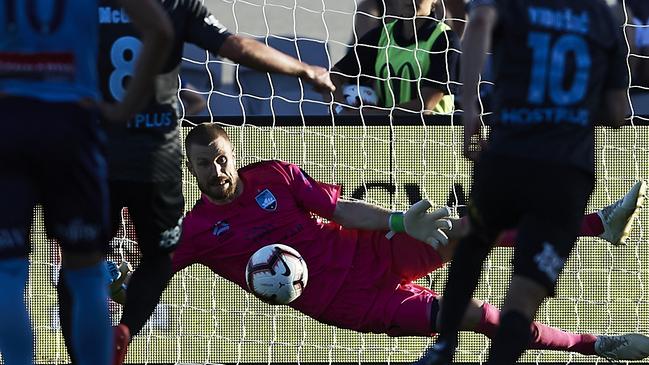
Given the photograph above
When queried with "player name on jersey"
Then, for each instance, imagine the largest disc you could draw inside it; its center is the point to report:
(563, 20)
(109, 15)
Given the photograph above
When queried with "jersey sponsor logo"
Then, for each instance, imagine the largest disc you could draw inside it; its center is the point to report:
(266, 200)
(220, 228)
(109, 15)
(152, 120)
(40, 65)
(554, 115)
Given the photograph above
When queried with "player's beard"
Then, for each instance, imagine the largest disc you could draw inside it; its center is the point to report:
(221, 189)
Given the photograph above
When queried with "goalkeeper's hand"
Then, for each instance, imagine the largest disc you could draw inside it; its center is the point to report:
(119, 276)
(427, 227)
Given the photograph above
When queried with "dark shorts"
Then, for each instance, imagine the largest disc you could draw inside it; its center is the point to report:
(52, 154)
(155, 208)
(544, 201)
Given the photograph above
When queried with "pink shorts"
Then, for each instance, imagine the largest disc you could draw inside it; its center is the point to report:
(378, 295)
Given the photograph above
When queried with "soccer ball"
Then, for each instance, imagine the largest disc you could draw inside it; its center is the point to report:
(276, 274)
(354, 94)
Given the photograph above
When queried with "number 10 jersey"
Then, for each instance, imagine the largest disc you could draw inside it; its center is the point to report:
(553, 61)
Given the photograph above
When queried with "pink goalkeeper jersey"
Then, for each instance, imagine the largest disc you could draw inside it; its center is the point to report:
(277, 205)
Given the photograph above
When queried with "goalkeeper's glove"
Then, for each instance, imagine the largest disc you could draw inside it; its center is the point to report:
(119, 276)
(421, 225)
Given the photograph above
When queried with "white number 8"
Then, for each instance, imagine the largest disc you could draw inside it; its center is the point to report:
(123, 67)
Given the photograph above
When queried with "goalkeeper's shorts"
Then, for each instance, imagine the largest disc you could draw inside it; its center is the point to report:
(378, 295)
(52, 154)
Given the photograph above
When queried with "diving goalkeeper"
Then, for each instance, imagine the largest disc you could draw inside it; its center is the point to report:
(358, 278)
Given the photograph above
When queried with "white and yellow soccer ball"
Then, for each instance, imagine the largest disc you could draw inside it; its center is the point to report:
(354, 94)
(276, 274)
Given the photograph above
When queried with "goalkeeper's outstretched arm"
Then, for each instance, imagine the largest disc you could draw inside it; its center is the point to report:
(416, 221)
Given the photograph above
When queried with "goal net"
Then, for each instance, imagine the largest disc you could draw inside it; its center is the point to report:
(204, 319)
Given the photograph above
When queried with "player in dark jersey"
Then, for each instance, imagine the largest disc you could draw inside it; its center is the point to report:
(411, 71)
(559, 67)
(144, 154)
(50, 153)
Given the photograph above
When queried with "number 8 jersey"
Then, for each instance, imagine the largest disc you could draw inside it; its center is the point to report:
(553, 60)
(48, 49)
(146, 148)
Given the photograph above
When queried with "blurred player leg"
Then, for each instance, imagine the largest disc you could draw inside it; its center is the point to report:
(612, 223)
(472, 250)
(76, 202)
(65, 303)
(540, 256)
(156, 208)
(18, 197)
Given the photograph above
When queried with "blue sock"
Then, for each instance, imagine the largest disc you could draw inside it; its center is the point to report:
(16, 339)
(91, 331)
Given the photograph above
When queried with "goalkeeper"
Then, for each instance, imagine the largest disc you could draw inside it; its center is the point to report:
(358, 278)
(144, 157)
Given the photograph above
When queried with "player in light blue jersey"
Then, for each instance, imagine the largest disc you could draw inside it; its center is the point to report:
(51, 153)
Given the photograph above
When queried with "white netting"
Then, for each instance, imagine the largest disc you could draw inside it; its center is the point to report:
(205, 319)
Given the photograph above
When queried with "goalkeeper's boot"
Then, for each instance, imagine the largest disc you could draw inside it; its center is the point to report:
(122, 336)
(633, 346)
(618, 217)
(439, 354)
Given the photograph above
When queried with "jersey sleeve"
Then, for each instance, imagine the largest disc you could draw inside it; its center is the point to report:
(316, 197)
(443, 73)
(184, 254)
(366, 51)
(202, 28)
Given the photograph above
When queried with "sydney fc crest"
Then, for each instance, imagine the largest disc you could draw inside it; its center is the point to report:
(266, 200)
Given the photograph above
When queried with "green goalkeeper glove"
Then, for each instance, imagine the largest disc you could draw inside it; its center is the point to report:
(427, 227)
(119, 276)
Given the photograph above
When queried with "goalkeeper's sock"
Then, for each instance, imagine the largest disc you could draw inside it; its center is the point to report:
(591, 226)
(512, 338)
(91, 333)
(144, 290)
(543, 337)
(16, 344)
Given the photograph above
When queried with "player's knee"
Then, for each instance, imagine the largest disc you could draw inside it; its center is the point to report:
(526, 294)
